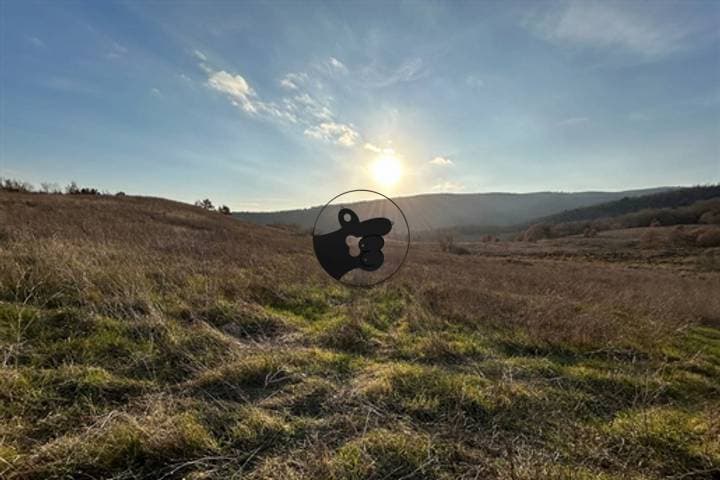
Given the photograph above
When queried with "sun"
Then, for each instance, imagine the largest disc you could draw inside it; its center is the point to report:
(387, 170)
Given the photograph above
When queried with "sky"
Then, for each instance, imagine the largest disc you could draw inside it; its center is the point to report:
(275, 105)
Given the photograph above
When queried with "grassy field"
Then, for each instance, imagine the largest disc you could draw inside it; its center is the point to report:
(142, 338)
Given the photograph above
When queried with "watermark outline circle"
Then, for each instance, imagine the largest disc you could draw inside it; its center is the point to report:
(407, 247)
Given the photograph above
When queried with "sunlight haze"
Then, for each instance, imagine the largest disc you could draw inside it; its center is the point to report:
(272, 105)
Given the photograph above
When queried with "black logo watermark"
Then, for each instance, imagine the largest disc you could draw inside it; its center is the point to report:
(349, 238)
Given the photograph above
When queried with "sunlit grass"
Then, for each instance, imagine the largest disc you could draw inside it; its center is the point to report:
(193, 355)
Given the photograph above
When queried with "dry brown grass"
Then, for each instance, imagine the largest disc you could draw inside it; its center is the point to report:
(141, 337)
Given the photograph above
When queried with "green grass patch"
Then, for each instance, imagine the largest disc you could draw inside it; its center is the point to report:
(386, 454)
(144, 444)
(667, 440)
(427, 393)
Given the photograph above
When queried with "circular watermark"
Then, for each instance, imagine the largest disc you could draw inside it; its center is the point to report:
(361, 238)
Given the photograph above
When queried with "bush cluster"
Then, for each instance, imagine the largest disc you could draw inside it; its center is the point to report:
(207, 204)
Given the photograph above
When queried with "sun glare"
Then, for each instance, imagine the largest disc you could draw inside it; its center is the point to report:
(387, 170)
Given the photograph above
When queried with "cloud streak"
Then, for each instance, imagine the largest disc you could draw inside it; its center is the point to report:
(332, 132)
(408, 71)
(293, 81)
(573, 121)
(441, 161)
(299, 107)
(236, 87)
(611, 26)
(335, 66)
(35, 41)
(375, 149)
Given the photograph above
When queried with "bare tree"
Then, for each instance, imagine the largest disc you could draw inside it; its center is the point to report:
(48, 187)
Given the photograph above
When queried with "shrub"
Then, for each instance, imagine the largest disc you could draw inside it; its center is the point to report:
(708, 262)
(73, 189)
(206, 204)
(651, 239)
(710, 218)
(225, 210)
(681, 237)
(590, 232)
(458, 250)
(567, 229)
(708, 238)
(447, 244)
(537, 232)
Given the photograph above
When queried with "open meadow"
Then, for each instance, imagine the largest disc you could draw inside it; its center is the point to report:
(144, 338)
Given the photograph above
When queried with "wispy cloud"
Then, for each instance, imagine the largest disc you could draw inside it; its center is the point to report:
(310, 107)
(573, 121)
(378, 77)
(305, 104)
(116, 51)
(338, 133)
(441, 161)
(299, 107)
(199, 55)
(474, 81)
(243, 96)
(335, 66)
(36, 42)
(448, 187)
(236, 87)
(375, 149)
(631, 28)
(293, 81)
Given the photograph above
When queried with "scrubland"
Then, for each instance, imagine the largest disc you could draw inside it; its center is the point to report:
(143, 338)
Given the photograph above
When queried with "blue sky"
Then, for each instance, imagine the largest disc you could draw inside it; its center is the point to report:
(272, 105)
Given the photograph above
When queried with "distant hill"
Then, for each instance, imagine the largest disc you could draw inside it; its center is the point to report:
(667, 199)
(438, 211)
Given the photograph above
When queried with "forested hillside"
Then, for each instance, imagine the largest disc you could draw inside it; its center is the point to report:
(667, 199)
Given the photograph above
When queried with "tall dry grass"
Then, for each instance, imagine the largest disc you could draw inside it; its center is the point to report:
(143, 338)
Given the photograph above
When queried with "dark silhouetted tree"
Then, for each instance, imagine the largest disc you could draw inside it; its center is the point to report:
(206, 204)
(72, 188)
